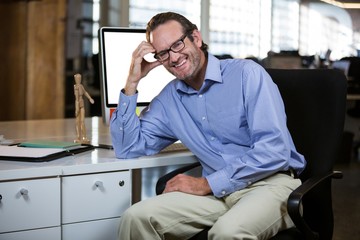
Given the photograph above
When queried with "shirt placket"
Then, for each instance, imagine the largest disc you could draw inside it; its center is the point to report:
(204, 120)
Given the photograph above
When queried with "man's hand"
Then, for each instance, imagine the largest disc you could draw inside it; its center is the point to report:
(188, 184)
(139, 67)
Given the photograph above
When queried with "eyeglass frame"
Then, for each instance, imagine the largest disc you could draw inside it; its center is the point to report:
(156, 55)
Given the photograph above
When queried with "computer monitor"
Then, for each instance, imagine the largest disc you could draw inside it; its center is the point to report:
(116, 46)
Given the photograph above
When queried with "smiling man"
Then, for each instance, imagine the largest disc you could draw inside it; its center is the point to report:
(230, 114)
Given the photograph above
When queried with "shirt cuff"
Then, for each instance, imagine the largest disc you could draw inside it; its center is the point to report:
(220, 184)
(127, 104)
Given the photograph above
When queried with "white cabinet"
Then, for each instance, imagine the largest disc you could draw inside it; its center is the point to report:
(92, 204)
(29, 204)
(75, 207)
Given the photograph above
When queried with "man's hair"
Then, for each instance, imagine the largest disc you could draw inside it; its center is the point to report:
(188, 27)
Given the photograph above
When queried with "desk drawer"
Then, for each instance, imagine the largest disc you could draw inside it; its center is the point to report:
(95, 196)
(37, 234)
(29, 204)
(106, 229)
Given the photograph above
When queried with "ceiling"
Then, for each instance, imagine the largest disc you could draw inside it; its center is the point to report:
(342, 1)
(347, 3)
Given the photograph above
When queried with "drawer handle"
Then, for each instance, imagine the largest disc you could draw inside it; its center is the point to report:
(24, 192)
(121, 183)
(99, 184)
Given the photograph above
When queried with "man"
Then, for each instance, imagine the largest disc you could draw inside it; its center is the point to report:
(230, 114)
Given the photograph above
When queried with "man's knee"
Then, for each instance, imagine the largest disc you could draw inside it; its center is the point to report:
(225, 230)
(134, 223)
(137, 212)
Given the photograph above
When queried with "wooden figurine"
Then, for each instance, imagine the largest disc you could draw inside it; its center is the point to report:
(80, 92)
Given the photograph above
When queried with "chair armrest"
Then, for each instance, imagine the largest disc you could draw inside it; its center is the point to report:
(161, 183)
(295, 199)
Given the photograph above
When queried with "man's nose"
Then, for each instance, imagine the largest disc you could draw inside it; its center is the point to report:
(173, 56)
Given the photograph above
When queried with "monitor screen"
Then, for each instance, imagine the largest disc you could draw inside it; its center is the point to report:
(116, 47)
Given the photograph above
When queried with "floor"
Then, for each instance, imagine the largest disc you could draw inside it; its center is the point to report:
(346, 202)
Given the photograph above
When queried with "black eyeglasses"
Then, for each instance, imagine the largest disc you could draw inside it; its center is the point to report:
(176, 47)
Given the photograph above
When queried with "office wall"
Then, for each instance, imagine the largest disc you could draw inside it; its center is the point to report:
(32, 59)
(12, 60)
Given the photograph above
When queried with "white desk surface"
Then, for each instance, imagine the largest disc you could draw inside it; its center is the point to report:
(98, 160)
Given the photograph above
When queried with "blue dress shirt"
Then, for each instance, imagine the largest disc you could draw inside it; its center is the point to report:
(235, 124)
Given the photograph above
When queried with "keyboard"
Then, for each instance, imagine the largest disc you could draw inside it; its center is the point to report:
(175, 147)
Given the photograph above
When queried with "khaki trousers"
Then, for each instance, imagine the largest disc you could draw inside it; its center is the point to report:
(256, 212)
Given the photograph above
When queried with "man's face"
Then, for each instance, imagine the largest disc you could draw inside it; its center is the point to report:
(185, 64)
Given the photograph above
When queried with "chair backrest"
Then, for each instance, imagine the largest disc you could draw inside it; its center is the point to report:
(315, 102)
(354, 68)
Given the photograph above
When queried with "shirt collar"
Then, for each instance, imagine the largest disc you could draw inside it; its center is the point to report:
(212, 75)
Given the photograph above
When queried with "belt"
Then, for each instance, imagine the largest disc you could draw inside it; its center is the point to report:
(289, 172)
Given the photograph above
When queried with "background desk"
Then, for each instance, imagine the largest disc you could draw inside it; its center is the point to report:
(76, 197)
(350, 96)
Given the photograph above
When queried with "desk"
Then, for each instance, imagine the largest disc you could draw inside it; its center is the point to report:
(76, 197)
(352, 96)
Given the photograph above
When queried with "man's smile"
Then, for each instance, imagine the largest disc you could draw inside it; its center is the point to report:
(181, 63)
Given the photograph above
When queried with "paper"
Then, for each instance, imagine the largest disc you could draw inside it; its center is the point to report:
(15, 151)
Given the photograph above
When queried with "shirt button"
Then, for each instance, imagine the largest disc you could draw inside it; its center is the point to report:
(212, 138)
(203, 118)
(124, 104)
(200, 96)
(223, 192)
(120, 128)
(249, 182)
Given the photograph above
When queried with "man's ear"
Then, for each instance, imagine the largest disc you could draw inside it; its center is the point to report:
(197, 37)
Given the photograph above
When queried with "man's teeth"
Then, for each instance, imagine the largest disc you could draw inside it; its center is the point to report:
(180, 64)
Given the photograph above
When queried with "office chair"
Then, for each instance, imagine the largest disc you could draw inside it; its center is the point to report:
(315, 106)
